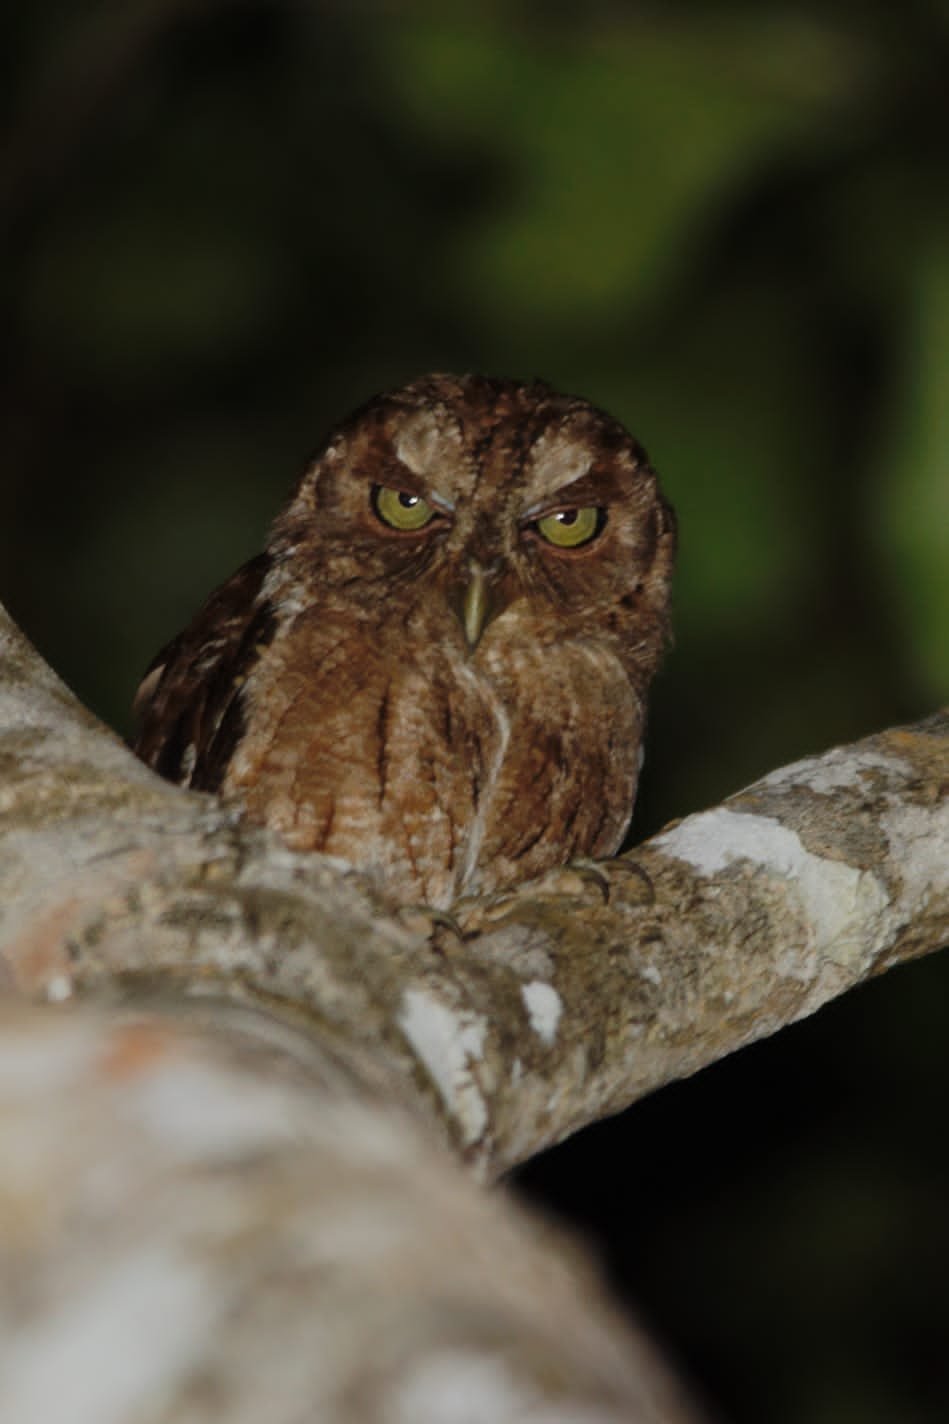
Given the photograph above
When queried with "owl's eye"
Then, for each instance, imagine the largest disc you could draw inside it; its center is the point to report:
(569, 528)
(401, 510)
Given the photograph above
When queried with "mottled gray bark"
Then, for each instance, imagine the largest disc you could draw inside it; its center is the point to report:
(202, 1222)
(368, 1041)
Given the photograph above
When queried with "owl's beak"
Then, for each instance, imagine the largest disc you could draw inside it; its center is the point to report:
(474, 604)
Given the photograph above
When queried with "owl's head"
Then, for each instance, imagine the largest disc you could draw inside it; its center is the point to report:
(515, 510)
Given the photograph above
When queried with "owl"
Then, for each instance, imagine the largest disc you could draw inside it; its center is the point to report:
(437, 669)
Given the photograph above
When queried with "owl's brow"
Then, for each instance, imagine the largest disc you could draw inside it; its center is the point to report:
(562, 466)
(579, 473)
(421, 435)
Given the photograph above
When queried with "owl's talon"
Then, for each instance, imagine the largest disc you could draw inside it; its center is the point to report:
(431, 924)
(575, 880)
(476, 911)
(618, 865)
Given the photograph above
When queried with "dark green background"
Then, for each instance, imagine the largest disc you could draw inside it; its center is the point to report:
(223, 225)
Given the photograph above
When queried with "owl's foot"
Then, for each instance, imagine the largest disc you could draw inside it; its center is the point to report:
(580, 879)
(617, 867)
(439, 927)
(587, 879)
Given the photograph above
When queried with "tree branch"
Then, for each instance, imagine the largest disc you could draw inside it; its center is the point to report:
(205, 1222)
(551, 1007)
(224, 1190)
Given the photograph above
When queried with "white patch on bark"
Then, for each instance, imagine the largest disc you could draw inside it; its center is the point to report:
(196, 1113)
(59, 988)
(544, 1007)
(457, 1387)
(835, 771)
(845, 906)
(448, 1043)
(918, 838)
(94, 1362)
(462, 1387)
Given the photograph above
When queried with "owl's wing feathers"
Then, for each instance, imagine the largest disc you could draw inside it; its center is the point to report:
(189, 703)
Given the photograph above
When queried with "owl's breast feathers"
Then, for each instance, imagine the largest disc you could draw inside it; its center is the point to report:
(444, 773)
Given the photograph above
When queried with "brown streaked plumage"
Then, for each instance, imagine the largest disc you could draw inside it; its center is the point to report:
(455, 704)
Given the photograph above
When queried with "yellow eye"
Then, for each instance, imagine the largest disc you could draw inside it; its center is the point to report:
(401, 510)
(569, 528)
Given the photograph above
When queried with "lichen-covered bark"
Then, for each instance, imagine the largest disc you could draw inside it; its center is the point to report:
(532, 1014)
(725, 927)
(195, 1227)
(498, 1031)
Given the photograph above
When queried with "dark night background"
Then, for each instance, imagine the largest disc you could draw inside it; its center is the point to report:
(223, 225)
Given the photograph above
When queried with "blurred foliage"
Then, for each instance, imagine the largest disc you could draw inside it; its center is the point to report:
(222, 225)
